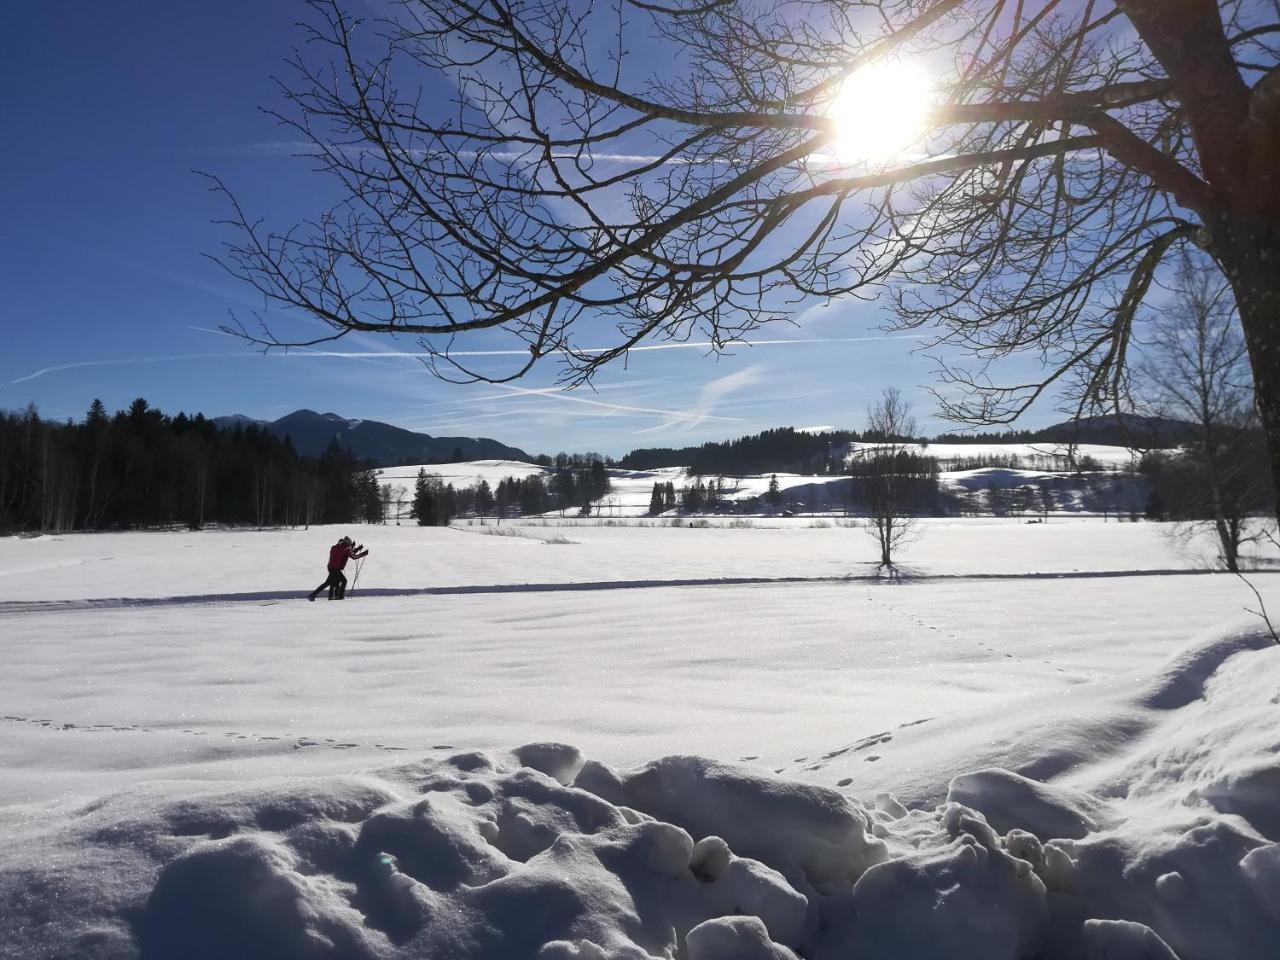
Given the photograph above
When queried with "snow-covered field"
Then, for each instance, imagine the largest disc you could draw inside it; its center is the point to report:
(1042, 465)
(1042, 737)
(946, 453)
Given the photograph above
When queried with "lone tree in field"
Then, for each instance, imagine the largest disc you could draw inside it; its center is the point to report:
(1008, 173)
(1196, 370)
(885, 474)
(424, 498)
(774, 494)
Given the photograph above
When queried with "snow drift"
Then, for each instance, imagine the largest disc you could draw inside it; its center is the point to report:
(1171, 852)
(1159, 841)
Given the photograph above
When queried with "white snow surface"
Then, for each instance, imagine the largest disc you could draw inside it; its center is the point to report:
(1053, 741)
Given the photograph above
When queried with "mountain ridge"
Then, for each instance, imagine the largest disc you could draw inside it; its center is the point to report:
(383, 443)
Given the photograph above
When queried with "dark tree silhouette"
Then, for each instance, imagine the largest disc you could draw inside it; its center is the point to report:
(1070, 148)
(886, 475)
(1195, 369)
(141, 468)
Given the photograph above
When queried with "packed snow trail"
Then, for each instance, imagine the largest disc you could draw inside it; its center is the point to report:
(18, 607)
(183, 563)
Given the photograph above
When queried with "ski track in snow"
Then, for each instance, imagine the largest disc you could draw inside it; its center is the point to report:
(268, 597)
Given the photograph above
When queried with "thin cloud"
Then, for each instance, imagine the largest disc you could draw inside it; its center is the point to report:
(716, 391)
(556, 393)
(642, 348)
(120, 361)
(295, 148)
(391, 355)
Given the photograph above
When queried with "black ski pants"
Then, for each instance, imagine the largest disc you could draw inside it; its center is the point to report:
(337, 584)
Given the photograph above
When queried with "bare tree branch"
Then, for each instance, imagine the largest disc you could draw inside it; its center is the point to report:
(656, 169)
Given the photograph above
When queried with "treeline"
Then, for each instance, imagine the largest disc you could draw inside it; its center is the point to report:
(1045, 463)
(697, 497)
(576, 481)
(788, 450)
(143, 468)
(782, 450)
(901, 480)
(990, 436)
(1225, 481)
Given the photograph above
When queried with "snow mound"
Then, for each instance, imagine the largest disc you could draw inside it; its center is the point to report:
(816, 834)
(541, 853)
(969, 900)
(474, 857)
(1122, 940)
(1009, 801)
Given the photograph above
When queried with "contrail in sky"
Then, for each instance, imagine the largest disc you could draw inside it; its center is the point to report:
(122, 361)
(423, 354)
(683, 345)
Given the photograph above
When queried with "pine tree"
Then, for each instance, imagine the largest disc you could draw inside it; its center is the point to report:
(693, 498)
(565, 488)
(423, 506)
(656, 500)
(599, 482)
(774, 496)
(484, 497)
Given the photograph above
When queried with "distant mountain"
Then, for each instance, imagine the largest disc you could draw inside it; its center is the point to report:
(387, 445)
(1126, 430)
(236, 420)
(1121, 430)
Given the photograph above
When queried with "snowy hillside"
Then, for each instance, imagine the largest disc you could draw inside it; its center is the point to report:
(775, 755)
(1045, 466)
(1033, 453)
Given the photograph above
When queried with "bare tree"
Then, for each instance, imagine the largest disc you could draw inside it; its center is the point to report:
(399, 495)
(520, 164)
(1196, 369)
(386, 497)
(886, 474)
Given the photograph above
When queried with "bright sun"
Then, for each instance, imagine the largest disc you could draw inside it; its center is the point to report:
(880, 111)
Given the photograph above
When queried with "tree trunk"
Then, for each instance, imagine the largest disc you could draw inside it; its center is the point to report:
(1248, 249)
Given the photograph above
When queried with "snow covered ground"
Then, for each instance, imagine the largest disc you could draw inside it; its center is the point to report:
(1053, 740)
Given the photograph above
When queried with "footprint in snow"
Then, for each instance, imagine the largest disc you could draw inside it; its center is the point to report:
(873, 740)
(914, 723)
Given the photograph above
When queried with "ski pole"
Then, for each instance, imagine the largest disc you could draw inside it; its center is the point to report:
(356, 578)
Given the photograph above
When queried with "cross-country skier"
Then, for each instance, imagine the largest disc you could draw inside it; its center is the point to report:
(342, 551)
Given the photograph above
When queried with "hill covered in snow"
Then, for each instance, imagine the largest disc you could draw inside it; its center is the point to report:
(1001, 479)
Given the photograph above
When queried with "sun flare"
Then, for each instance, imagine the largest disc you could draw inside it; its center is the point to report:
(880, 111)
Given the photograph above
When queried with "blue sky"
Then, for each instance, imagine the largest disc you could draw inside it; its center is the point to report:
(110, 108)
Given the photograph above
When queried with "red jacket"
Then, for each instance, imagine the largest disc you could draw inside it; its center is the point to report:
(339, 554)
